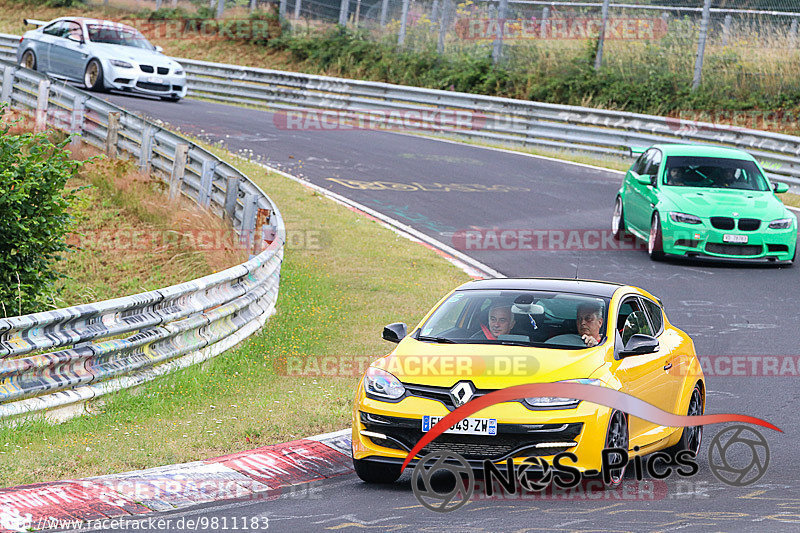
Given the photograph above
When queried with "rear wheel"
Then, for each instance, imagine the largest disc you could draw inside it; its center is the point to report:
(618, 220)
(691, 437)
(93, 76)
(617, 437)
(28, 60)
(372, 472)
(655, 243)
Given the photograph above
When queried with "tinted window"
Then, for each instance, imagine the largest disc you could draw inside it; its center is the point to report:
(72, 29)
(638, 166)
(653, 163)
(714, 172)
(632, 319)
(656, 315)
(56, 29)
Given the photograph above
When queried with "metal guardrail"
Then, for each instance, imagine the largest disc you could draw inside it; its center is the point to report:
(61, 358)
(484, 118)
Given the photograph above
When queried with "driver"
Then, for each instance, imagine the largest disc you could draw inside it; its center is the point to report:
(589, 319)
(501, 321)
(675, 176)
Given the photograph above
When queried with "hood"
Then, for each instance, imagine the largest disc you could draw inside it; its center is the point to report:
(487, 366)
(724, 202)
(130, 53)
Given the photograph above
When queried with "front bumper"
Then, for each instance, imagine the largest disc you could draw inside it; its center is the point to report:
(521, 432)
(153, 84)
(703, 239)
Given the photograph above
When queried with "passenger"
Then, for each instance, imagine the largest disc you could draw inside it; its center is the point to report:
(727, 178)
(589, 319)
(501, 321)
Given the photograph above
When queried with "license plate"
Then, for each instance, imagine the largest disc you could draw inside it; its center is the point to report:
(468, 426)
(155, 79)
(738, 239)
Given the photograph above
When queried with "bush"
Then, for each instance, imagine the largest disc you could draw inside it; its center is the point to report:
(34, 217)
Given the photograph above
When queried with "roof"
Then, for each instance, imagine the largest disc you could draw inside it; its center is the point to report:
(703, 150)
(604, 289)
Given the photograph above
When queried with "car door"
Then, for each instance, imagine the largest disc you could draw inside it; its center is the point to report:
(44, 41)
(642, 376)
(635, 203)
(68, 51)
(649, 193)
(676, 363)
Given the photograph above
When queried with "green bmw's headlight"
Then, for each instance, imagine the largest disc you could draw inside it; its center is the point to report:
(382, 384)
(781, 223)
(684, 218)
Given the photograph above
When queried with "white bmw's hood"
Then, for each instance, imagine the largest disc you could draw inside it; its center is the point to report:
(130, 53)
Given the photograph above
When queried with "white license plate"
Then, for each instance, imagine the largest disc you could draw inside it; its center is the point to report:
(468, 426)
(738, 239)
(155, 79)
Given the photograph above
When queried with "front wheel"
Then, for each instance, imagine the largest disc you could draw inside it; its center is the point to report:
(171, 98)
(28, 60)
(373, 472)
(655, 243)
(617, 437)
(691, 437)
(618, 220)
(93, 76)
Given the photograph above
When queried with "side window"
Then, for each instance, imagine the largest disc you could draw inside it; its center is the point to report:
(653, 163)
(640, 163)
(72, 30)
(54, 29)
(632, 319)
(656, 315)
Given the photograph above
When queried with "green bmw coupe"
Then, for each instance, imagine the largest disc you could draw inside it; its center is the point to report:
(694, 200)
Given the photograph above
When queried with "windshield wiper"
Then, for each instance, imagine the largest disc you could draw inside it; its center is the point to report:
(440, 340)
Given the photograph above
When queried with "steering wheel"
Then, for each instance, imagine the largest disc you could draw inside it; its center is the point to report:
(567, 339)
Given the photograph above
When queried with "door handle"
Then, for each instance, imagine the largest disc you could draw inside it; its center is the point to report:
(667, 366)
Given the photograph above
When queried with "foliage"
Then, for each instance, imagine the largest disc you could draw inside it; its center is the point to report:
(34, 217)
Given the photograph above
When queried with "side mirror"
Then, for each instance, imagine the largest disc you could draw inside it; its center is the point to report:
(644, 179)
(639, 344)
(395, 332)
(779, 187)
(75, 38)
(159, 49)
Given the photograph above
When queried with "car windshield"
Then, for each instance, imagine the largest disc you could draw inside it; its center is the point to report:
(517, 317)
(112, 34)
(713, 172)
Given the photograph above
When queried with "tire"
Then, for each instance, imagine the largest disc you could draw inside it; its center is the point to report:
(93, 76)
(171, 98)
(691, 437)
(28, 60)
(655, 243)
(617, 436)
(618, 220)
(372, 472)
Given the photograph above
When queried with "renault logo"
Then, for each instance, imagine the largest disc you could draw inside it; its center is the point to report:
(462, 392)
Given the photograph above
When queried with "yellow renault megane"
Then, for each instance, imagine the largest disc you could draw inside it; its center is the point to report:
(491, 334)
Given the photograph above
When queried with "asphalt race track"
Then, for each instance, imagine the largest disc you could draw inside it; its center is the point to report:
(729, 310)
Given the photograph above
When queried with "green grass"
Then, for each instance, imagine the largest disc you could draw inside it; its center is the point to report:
(335, 297)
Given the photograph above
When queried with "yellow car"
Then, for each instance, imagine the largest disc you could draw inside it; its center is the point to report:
(491, 334)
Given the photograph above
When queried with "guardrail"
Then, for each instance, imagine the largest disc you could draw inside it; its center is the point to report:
(56, 360)
(483, 118)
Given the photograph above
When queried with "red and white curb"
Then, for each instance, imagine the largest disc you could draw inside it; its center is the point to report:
(256, 474)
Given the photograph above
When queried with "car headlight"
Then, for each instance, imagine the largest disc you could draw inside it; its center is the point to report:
(781, 223)
(551, 402)
(382, 384)
(179, 72)
(121, 64)
(684, 218)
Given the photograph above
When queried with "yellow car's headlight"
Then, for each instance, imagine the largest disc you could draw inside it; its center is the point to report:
(382, 384)
(551, 402)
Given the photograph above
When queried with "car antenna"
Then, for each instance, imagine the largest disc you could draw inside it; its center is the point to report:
(577, 264)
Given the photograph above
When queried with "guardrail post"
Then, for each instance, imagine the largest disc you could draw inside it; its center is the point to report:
(262, 217)
(384, 11)
(248, 220)
(147, 147)
(544, 23)
(726, 30)
(344, 7)
(178, 169)
(41, 105)
(112, 133)
(76, 125)
(401, 37)
(231, 195)
(701, 45)
(297, 5)
(206, 181)
(8, 84)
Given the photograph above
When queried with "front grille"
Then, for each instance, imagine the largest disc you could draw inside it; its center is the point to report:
(733, 249)
(152, 86)
(512, 440)
(689, 243)
(777, 248)
(722, 222)
(749, 224)
(147, 68)
(440, 394)
(163, 70)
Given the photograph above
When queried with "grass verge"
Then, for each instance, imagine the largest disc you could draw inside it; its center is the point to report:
(344, 277)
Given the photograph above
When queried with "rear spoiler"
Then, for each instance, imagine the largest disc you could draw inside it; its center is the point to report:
(34, 22)
(636, 150)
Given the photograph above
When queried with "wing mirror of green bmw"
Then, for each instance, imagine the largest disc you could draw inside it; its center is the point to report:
(644, 179)
(639, 344)
(779, 187)
(395, 332)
